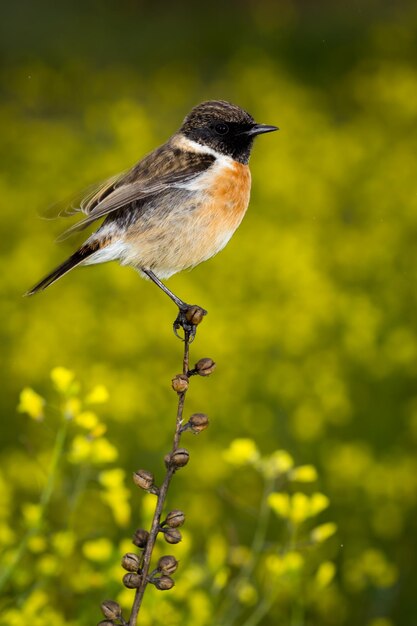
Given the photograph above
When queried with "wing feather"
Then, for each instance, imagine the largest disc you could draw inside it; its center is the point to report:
(161, 170)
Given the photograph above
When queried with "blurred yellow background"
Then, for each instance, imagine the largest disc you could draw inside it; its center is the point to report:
(312, 309)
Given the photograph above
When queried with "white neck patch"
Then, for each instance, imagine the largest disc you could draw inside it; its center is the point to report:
(181, 141)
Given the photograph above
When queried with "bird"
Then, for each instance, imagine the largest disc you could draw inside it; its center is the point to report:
(177, 207)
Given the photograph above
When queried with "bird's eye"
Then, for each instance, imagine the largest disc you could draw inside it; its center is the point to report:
(221, 129)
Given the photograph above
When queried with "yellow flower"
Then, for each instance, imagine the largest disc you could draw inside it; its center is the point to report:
(64, 542)
(247, 593)
(297, 507)
(379, 570)
(125, 545)
(62, 379)
(323, 532)
(280, 503)
(87, 419)
(113, 478)
(96, 451)
(32, 514)
(7, 535)
(98, 431)
(304, 474)
(318, 502)
(116, 494)
(80, 450)
(148, 506)
(31, 403)
(274, 564)
(35, 601)
(278, 463)
(102, 451)
(221, 578)
(325, 574)
(200, 607)
(124, 598)
(37, 544)
(47, 565)
(72, 407)
(98, 550)
(118, 501)
(184, 547)
(293, 561)
(216, 551)
(300, 507)
(281, 461)
(241, 452)
(98, 395)
(239, 555)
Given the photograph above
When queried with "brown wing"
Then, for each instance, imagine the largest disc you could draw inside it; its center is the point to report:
(164, 168)
(74, 204)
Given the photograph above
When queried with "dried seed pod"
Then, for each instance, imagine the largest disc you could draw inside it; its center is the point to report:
(172, 535)
(180, 457)
(105, 622)
(132, 580)
(180, 383)
(195, 315)
(204, 367)
(140, 538)
(143, 479)
(175, 518)
(163, 583)
(131, 562)
(167, 564)
(198, 422)
(112, 610)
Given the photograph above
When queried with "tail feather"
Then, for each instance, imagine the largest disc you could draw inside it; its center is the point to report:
(74, 260)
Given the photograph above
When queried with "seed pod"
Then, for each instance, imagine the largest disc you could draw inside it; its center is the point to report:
(172, 535)
(198, 422)
(132, 580)
(167, 564)
(143, 479)
(180, 457)
(164, 583)
(195, 315)
(112, 610)
(105, 622)
(140, 538)
(175, 518)
(180, 383)
(131, 562)
(205, 367)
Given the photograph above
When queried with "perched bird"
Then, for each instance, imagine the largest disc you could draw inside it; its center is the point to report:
(178, 206)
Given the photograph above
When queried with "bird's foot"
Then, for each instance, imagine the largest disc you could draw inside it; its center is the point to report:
(188, 318)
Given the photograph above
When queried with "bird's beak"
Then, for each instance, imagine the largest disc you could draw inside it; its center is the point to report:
(259, 129)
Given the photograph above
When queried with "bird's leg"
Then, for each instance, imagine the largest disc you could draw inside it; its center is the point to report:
(189, 315)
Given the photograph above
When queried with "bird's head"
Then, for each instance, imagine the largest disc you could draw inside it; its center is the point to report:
(223, 127)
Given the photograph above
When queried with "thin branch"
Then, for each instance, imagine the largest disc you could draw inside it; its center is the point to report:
(138, 566)
(156, 521)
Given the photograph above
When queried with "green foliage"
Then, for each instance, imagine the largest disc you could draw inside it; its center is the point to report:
(311, 319)
(282, 568)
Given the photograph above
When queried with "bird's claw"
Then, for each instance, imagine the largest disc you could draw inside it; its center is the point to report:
(188, 318)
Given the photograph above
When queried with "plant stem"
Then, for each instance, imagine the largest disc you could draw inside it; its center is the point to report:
(43, 503)
(153, 533)
(261, 610)
(257, 544)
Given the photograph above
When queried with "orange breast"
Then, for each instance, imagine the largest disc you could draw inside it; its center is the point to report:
(229, 197)
(189, 235)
